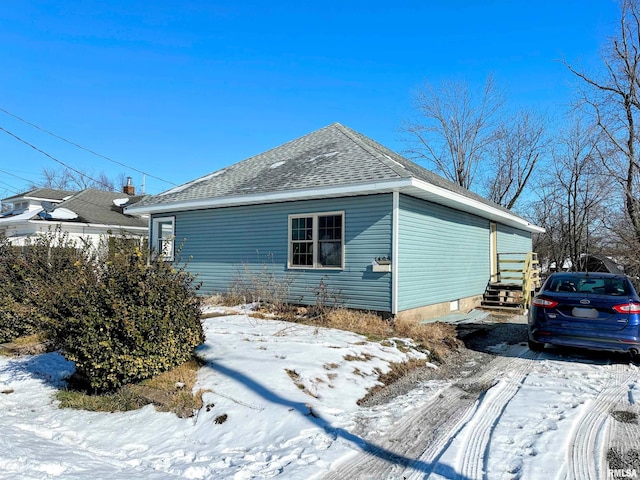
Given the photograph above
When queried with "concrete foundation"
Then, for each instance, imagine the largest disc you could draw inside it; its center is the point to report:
(439, 309)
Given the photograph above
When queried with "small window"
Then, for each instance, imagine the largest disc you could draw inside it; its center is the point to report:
(316, 240)
(164, 237)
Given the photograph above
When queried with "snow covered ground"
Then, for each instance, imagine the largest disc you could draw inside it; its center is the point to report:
(281, 402)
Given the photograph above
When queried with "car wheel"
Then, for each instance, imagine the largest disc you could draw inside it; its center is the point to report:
(535, 346)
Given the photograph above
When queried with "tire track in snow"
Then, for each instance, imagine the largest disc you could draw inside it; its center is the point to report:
(441, 442)
(472, 460)
(497, 368)
(414, 446)
(425, 428)
(587, 448)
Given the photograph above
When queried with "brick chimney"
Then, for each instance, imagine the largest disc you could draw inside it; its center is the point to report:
(128, 188)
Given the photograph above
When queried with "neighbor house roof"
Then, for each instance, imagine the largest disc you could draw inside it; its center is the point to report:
(330, 162)
(50, 194)
(91, 206)
(96, 207)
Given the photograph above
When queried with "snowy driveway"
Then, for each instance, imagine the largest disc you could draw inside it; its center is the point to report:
(282, 404)
(544, 416)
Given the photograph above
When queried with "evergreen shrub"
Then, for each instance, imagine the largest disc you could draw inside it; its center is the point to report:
(118, 314)
(17, 317)
(136, 319)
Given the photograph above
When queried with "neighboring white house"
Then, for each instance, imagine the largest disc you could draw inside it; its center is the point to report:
(89, 214)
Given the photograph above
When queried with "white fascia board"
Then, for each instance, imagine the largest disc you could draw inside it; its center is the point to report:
(403, 185)
(338, 191)
(471, 205)
(44, 199)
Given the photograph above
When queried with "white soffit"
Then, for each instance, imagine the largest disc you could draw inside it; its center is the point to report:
(409, 186)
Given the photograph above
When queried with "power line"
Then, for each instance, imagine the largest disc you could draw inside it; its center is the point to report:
(83, 175)
(17, 176)
(9, 187)
(83, 148)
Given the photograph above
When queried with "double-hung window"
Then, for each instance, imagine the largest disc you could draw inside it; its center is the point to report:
(316, 240)
(163, 241)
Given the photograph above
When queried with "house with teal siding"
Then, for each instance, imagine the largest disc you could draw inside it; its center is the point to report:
(336, 209)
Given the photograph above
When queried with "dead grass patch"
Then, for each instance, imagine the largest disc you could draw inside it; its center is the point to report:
(365, 357)
(365, 323)
(293, 375)
(204, 316)
(171, 391)
(215, 300)
(396, 372)
(437, 337)
(29, 345)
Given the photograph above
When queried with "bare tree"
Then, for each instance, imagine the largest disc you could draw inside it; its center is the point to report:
(612, 98)
(65, 179)
(519, 142)
(583, 189)
(546, 212)
(454, 127)
(572, 197)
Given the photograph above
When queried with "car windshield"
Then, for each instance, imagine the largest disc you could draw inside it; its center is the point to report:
(581, 284)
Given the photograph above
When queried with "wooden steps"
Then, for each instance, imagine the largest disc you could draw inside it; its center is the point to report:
(517, 280)
(502, 295)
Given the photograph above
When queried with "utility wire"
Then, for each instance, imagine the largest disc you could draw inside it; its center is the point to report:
(14, 175)
(83, 148)
(84, 175)
(9, 187)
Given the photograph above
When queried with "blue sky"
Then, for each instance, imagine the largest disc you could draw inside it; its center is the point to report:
(181, 89)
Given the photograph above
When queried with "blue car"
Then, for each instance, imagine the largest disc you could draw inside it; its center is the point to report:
(598, 311)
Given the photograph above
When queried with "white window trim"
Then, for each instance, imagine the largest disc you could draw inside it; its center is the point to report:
(316, 265)
(156, 230)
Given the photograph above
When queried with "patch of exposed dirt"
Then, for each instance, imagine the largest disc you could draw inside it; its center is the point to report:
(475, 351)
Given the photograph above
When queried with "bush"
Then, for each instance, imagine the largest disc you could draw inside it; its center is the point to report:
(17, 317)
(118, 315)
(134, 320)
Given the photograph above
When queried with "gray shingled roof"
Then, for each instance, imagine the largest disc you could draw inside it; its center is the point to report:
(330, 157)
(96, 206)
(43, 193)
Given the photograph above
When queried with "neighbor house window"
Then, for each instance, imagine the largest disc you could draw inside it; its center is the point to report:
(164, 237)
(316, 240)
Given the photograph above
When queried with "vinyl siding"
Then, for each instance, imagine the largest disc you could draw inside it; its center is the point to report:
(222, 244)
(511, 240)
(443, 254)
